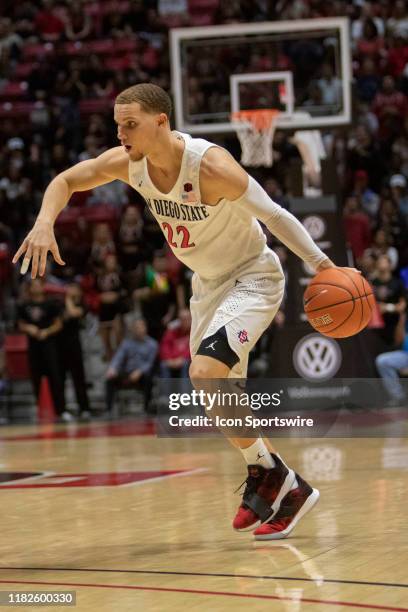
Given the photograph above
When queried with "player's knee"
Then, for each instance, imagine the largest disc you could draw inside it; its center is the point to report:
(205, 368)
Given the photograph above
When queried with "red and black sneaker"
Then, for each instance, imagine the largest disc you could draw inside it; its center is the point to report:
(295, 505)
(263, 494)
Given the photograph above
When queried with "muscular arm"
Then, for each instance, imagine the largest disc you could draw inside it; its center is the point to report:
(222, 177)
(109, 166)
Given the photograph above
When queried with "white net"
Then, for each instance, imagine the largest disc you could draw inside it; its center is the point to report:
(255, 130)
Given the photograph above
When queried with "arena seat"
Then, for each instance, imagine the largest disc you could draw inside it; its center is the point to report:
(202, 12)
(14, 89)
(37, 50)
(68, 219)
(16, 366)
(102, 213)
(16, 109)
(95, 105)
(101, 47)
(23, 70)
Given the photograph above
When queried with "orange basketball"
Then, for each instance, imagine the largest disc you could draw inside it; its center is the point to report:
(338, 303)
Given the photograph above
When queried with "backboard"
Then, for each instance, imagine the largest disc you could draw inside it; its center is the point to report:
(215, 69)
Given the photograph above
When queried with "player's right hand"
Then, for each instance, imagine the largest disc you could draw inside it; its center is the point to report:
(36, 245)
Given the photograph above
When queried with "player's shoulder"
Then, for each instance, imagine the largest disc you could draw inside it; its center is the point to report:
(221, 176)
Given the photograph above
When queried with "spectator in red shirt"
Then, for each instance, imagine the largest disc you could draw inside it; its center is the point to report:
(356, 227)
(48, 23)
(371, 45)
(397, 55)
(390, 106)
(175, 348)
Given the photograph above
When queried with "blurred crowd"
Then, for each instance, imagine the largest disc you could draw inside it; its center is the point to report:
(55, 109)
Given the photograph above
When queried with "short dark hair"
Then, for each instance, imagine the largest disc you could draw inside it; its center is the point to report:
(152, 98)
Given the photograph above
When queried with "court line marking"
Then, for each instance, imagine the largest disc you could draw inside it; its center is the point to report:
(320, 581)
(164, 477)
(349, 604)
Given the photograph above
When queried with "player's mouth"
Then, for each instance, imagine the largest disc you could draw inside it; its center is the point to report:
(128, 148)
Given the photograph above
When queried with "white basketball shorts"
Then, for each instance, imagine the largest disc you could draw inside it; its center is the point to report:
(244, 301)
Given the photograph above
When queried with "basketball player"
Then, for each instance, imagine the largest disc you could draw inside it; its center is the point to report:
(208, 208)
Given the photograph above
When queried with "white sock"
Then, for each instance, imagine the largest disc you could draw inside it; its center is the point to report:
(295, 484)
(258, 454)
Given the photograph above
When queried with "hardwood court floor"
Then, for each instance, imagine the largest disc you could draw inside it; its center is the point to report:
(135, 538)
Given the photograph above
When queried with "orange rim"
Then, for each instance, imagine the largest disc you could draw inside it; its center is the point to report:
(260, 119)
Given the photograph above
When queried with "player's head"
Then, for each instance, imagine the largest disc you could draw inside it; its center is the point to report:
(142, 113)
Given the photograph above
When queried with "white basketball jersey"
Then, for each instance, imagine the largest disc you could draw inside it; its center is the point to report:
(210, 240)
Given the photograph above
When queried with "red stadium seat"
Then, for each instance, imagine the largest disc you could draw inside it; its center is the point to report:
(76, 48)
(37, 50)
(202, 11)
(101, 47)
(118, 63)
(101, 213)
(123, 46)
(22, 71)
(16, 360)
(95, 105)
(5, 266)
(14, 90)
(16, 109)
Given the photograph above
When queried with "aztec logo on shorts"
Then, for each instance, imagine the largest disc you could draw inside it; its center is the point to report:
(243, 336)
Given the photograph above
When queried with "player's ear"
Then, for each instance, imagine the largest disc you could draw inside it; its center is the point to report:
(162, 120)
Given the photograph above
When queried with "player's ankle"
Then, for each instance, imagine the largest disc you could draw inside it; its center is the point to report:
(258, 454)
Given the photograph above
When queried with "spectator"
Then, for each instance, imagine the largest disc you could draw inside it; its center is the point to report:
(398, 184)
(390, 106)
(155, 295)
(392, 222)
(130, 239)
(382, 246)
(367, 12)
(48, 22)
(175, 348)
(102, 246)
(78, 24)
(397, 55)
(390, 295)
(132, 364)
(70, 349)
(115, 192)
(110, 288)
(330, 86)
(397, 24)
(368, 82)
(40, 318)
(10, 42)
(357, 227)
(370, 44)
(364, 154)
(370, 201)
(391, 364)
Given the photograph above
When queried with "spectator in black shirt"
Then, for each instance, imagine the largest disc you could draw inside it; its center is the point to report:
(156, 296)
(40, 318)
(390, 295)
(70, 349)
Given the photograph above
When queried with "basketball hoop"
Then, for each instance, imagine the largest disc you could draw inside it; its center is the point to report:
(255, 130)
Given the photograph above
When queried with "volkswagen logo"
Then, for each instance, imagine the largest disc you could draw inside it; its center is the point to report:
(317, 358)
(315, 226)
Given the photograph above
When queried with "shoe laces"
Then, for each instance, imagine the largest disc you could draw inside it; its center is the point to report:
(252, 482)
